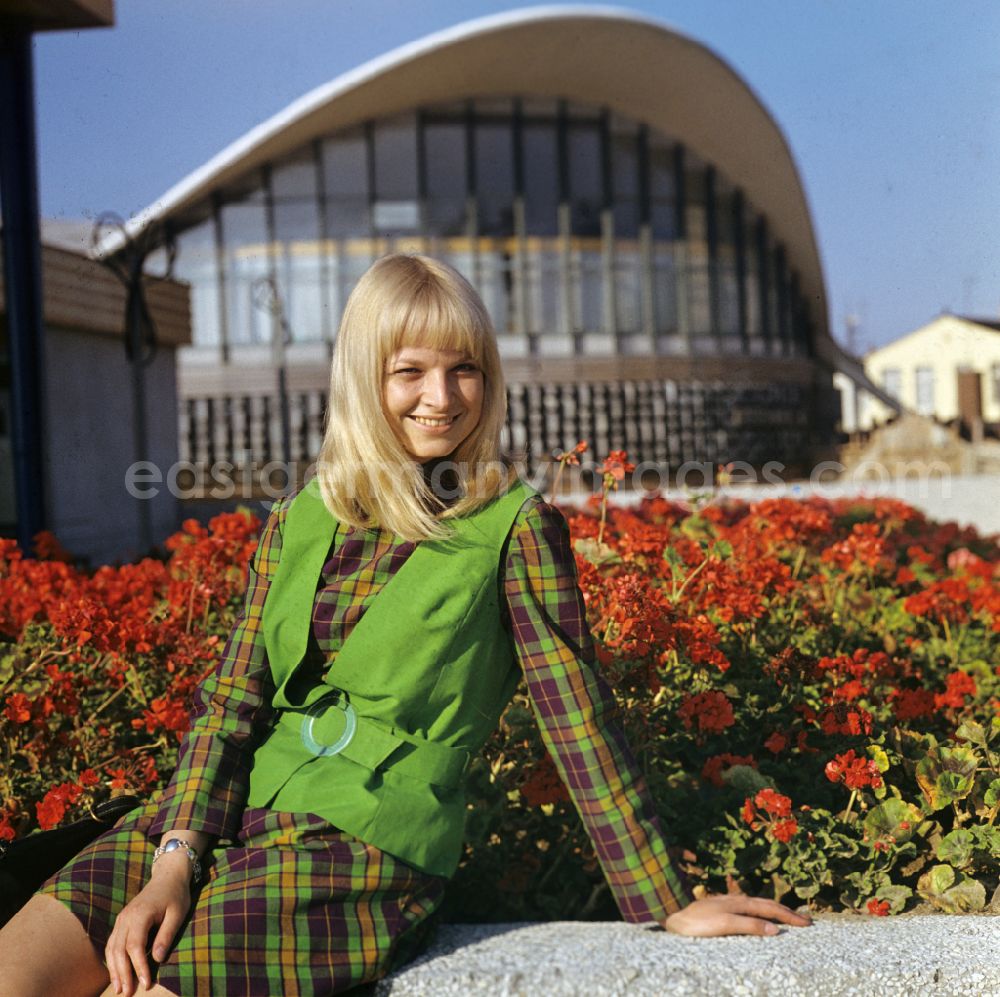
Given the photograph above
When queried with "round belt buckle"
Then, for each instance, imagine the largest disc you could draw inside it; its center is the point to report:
(338, 699)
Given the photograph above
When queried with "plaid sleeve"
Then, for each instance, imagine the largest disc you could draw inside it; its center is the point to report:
(208, 789)
(574, 707)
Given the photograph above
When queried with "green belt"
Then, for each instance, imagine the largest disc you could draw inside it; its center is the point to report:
(331, 726)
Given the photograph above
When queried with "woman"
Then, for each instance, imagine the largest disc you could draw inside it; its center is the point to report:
(316, 811)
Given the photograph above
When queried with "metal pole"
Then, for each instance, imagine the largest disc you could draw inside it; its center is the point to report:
(22, 278)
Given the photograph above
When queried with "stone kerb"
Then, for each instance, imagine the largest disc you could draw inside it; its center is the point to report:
(905, 956)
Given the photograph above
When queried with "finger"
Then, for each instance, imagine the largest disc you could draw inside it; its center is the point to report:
(136, 948)
(742, 924)
(168, 929)
(117, 959)
(109, 961)
(761, 907)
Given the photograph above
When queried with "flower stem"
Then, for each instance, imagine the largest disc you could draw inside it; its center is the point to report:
(555, 482)
(850, 805)
(604, 513)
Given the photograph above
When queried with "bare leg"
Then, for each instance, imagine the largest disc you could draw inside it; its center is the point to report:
(44, 950)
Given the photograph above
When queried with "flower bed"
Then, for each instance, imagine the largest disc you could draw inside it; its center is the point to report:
(811, 688)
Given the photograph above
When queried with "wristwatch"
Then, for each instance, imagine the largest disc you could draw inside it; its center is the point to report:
(175, 843)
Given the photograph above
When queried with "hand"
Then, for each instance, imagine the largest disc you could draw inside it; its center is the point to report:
(732, 914)
(164, 901)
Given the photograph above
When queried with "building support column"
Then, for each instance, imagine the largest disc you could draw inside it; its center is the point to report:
(22, 267)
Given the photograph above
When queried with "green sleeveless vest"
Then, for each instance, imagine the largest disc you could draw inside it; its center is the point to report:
(424, 676)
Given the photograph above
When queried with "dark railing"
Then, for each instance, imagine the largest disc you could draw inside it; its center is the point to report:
(663, 422)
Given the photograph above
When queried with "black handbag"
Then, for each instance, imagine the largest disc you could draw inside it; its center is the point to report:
(27, 862)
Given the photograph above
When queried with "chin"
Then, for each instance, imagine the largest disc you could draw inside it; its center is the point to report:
(433, 453)
(433, 449)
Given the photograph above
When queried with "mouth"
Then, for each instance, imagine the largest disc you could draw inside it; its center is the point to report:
(434, 423)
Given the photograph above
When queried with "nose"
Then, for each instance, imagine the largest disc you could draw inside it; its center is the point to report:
(437, 389)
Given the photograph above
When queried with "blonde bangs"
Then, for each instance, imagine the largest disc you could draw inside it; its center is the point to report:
(430, 315)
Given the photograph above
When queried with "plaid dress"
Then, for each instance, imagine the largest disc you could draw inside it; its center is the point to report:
(291, 904)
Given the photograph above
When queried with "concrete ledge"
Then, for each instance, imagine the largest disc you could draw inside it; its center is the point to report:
(932, 954)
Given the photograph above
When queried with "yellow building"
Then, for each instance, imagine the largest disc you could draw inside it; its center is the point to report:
(948, 369)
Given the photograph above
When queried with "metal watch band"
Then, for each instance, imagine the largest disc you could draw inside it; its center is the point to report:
(172, 845)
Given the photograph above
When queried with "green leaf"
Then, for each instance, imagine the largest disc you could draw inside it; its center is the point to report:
(879, 756)
(696, 527)
(723, 549)
(941, 788)
(597, 553)
(992, 797)
(936, 880)
(954, 786)
(951, 891)
(896, 895)
(971, 731)
(988, 839)
(6, 668)
(887, 820)
(962, 760)
(956, 848)
(672, 558)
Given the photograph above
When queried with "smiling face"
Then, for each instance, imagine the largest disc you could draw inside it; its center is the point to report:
(433, 399)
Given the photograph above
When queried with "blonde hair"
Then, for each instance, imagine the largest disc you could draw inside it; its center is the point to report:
(366, 476)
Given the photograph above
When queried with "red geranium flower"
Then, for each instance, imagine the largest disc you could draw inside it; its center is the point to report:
(711, 710)
(785, 830)
(617, 465)
(773, 802)
(854, 772)
(776, 743)
(18, 708)
(958, 685)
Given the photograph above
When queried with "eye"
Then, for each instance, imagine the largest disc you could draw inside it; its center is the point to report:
(406, 370)
(468, 366)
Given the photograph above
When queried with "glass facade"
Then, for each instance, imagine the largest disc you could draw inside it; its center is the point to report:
(586, 232)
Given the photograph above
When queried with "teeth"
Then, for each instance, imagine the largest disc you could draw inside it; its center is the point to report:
(431, 422)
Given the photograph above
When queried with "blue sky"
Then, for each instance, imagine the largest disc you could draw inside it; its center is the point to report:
(891, 108)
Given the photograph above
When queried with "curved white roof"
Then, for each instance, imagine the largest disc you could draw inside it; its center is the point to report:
(610, 56)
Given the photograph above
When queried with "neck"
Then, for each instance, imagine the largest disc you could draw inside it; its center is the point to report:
(443, 483)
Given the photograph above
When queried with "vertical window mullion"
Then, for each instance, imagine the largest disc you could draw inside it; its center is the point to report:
(646, 239)
(762, 284)
(682, 274)
(609, 310)
(421, 166)
(372, 192)
(221, 277)
(565, 230)
(520, 228)
(781, 299)
(740, 249)
(472, 203)
(276, 298)
(325, 270)
(712, 238)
